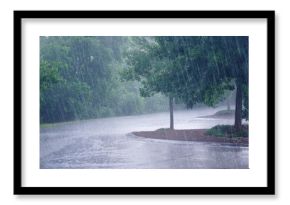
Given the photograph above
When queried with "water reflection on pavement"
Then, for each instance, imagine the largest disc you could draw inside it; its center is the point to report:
(107, 143)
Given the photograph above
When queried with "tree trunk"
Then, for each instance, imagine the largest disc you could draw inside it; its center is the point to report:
(238, 112)
(171, 112)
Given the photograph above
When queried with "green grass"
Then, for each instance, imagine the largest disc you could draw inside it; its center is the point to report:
(48, 125)
(55, 124)
(228, 131)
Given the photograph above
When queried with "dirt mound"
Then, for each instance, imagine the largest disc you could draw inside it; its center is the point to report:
(199, 135)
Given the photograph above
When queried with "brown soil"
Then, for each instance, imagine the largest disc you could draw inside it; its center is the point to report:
(198, 135)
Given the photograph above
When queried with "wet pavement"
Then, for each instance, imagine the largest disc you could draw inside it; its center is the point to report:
(107, 143)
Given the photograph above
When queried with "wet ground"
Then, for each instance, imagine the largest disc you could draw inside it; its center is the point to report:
(107, 143)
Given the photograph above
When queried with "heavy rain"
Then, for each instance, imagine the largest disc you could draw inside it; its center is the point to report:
(144, 102)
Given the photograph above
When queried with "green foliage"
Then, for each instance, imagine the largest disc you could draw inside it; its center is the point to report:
(80, 79)
(199, 69)
(228, 131)
(89, 77)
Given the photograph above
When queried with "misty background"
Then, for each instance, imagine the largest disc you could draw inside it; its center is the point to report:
(85, 77)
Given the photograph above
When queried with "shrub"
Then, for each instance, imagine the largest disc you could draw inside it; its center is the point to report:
(228, 131)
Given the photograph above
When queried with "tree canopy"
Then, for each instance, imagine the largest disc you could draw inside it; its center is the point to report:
(88, 77)
(79, 79)
(197, 69)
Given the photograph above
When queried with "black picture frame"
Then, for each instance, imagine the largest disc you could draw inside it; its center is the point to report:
(268, 190)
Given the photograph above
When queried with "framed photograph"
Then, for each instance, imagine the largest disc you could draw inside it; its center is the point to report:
(144, 102)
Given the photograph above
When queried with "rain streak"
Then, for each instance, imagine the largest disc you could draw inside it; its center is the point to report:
(144, 102)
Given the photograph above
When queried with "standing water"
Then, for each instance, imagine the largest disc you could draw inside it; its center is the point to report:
(108, 143)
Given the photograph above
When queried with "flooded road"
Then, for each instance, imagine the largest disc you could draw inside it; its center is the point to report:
(107, 143)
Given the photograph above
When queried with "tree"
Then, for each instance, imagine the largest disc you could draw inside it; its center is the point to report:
(152, 68)
(83, 69)
(80, 79)
(191, 69)
(234, 60)
(212, 65)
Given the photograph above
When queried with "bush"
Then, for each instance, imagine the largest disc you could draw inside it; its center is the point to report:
(228, 131)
